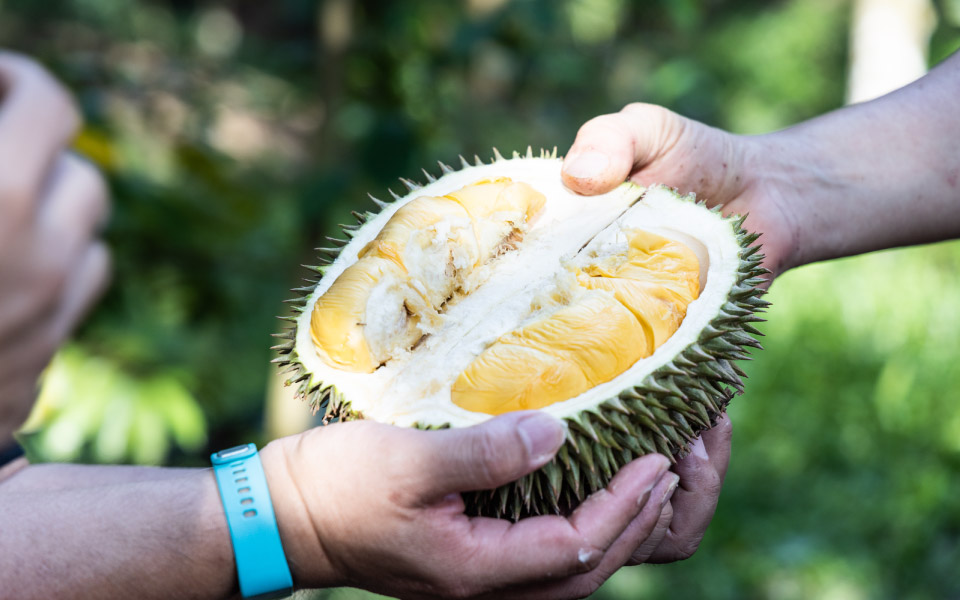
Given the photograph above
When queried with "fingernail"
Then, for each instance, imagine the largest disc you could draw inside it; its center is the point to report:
(698, 449)
(541, 434)
(671, 487)
(657, 477)
(586, 165)
(584, 555)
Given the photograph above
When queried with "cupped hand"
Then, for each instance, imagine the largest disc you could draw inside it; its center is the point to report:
(378, 507)
(52, 266)
(649, 144)
(684, 520)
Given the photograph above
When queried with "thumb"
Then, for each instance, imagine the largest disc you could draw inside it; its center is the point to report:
(488, 455)
(608, 148)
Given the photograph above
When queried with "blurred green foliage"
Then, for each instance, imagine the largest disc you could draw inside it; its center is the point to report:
(237, 134)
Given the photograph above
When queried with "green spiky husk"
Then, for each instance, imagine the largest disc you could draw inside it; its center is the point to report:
(664, 413)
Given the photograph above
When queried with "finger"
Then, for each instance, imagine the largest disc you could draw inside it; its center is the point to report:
(695, 501)
(484, 456)
(642, 527)
(75, 203)
(664, 490)
(639, 530)
(595, 517)
(609, 148)
(717, 442)
(84, 287)
(37, 119)
(552, 547)
(49, 328)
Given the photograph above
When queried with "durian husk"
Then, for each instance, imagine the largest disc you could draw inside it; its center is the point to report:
(664, 413)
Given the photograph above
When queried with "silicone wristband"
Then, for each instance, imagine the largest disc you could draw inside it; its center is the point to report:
(261, 564)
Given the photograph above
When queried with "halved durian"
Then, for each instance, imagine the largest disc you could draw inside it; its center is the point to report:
(494, 288)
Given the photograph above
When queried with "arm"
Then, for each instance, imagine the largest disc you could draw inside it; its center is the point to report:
(870, 176)
(875, 175)
(148, 537)
(51, 202)
(359, 504)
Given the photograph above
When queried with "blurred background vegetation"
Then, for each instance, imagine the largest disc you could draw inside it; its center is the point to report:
(237, 134)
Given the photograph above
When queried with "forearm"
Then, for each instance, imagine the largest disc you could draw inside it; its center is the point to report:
(876, 175)
(153, 536)
(56, 477)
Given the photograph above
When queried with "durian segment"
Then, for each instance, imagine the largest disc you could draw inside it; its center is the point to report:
(373, 288)
(432, 241)
(646, 286)
(499, 208)
(379, 307)
(656, 279)
(554, 358)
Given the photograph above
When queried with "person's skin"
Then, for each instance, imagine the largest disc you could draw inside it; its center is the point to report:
(876, 175)
(51, 202)
(357, 504)
(360, 504)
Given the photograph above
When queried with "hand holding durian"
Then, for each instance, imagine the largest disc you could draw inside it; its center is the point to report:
(403, 531)
(866, 177)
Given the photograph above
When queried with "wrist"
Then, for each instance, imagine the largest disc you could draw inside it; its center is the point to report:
(306, 554)
(214, 535)
(778, 185)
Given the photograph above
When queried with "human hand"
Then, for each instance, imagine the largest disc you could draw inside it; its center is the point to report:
(649, 144)
(373, 506)
(51, 203)
(684, 520)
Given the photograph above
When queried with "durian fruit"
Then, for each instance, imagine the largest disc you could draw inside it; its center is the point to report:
(494, 288)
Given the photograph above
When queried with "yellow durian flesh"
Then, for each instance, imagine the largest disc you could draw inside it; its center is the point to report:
(656, 280)
(380, 306)
(340, 338)
(631, 303)
(553, 359)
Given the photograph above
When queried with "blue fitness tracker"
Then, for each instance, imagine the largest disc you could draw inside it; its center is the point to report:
(261, 564)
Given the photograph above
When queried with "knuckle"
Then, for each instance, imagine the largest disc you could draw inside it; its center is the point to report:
(646, 110)
(599, 124)
(687, 548)
(712, 483)
(656, 117)
(37, 82)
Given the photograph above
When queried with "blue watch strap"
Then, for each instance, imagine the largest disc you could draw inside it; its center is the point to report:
(261, 564)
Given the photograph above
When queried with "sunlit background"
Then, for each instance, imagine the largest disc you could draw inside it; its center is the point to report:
(237, 134)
